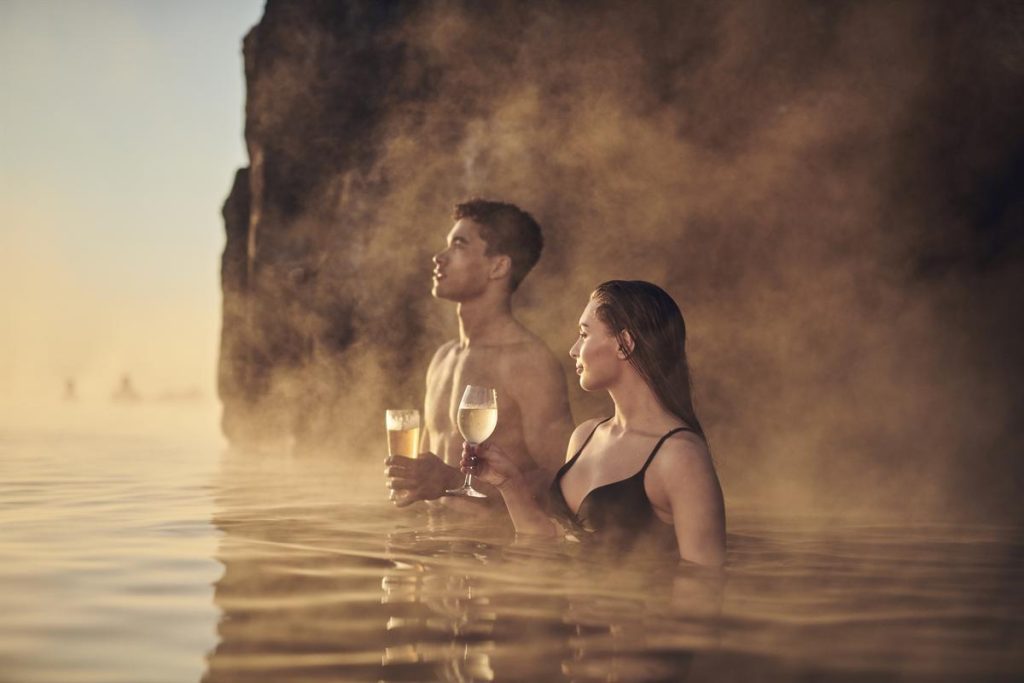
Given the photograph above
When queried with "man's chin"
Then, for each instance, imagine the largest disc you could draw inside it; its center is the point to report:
(439, 292)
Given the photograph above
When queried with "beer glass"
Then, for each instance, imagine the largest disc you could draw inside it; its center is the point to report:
(403, 432)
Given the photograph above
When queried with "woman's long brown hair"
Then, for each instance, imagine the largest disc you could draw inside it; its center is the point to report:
(656, 325)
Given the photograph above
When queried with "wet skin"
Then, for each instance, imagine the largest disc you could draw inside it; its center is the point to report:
(493, 350)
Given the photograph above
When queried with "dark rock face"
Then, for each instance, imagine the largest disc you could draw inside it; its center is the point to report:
(236, 371)
(832, 192)
(317, 84)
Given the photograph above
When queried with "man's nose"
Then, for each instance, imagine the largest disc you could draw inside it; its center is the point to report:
(438, 257)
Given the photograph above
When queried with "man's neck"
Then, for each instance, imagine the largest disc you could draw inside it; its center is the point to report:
(485, 319)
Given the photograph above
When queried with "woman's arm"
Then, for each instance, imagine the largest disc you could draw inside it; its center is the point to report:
(521, 495)
(528, 515)
(493, 466)
(685, 479)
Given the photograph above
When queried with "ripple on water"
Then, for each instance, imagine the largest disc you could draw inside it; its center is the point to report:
(151, 558)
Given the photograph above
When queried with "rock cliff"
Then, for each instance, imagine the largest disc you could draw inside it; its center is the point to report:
(832, 192)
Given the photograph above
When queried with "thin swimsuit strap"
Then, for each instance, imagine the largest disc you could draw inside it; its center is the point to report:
(657, 447)
(565, 468)
(639, 475)
(580, 451)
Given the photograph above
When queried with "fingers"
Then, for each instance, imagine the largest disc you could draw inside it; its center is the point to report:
(401, 466)
(404, 501)
(401, 483)
(402, 493)
(469, 464)
(397, 471)
(401, 479)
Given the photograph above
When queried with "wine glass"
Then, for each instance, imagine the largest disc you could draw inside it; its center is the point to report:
(478, 416)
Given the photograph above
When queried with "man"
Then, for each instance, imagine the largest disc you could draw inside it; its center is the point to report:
(489, 251)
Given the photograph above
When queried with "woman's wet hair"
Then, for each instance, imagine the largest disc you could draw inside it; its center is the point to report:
(656, 326)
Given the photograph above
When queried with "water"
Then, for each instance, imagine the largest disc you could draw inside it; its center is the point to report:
(137, 548)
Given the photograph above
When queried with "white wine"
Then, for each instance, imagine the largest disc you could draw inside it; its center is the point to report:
(404, 442)
(478, 416)
(476, 424)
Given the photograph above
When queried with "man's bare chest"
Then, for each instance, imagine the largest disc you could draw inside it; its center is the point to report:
(455, 371)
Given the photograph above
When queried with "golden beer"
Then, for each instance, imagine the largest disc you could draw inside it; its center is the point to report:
(403, 432)
(404, 442)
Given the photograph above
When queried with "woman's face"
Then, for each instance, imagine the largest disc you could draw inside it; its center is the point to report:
(596, 352)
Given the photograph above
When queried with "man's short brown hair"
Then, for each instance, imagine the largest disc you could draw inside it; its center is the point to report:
(507, 230)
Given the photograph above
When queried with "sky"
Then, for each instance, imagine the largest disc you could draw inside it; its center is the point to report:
(121, 127)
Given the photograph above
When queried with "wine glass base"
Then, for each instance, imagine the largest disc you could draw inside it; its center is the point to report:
(467, 491)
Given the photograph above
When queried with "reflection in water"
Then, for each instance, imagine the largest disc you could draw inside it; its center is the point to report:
(523, 614)
(110, 556)
(324, 580)
(316, 589)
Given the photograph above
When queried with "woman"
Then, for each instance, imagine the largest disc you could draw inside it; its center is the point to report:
(642, 478)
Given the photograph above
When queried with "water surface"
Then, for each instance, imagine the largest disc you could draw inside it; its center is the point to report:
(137, 548)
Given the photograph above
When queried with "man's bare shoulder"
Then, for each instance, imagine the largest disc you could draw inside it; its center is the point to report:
(444, 350)
(528, 353)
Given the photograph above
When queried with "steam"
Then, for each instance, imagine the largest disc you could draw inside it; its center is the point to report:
(790, 174)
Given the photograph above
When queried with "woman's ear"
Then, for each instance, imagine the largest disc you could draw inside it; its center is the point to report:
(626, 345)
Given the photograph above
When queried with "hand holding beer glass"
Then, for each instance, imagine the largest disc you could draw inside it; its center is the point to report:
(478, 416)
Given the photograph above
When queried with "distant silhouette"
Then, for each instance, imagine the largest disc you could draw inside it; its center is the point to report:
(125, 391)
(69, 390)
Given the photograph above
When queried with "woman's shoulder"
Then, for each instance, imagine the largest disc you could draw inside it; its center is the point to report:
(581, 434)
(683, 454)
(585, 429)
(682, 479)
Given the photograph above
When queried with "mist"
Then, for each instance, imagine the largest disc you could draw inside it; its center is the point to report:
(115, 141)
(832, 192)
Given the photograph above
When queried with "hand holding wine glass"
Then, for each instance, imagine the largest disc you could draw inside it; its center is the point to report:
(489, 463)
(478, 416)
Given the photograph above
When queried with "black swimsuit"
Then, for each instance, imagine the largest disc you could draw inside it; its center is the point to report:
(617, 514)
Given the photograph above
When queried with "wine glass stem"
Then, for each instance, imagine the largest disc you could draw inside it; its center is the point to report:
(468, 484)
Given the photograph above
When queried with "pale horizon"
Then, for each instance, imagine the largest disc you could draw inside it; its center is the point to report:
(121, 131)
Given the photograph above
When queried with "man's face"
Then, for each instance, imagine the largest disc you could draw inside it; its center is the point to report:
(461, 269)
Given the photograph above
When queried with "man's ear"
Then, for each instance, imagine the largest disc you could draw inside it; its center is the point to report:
(501, 266)
(626, 345)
